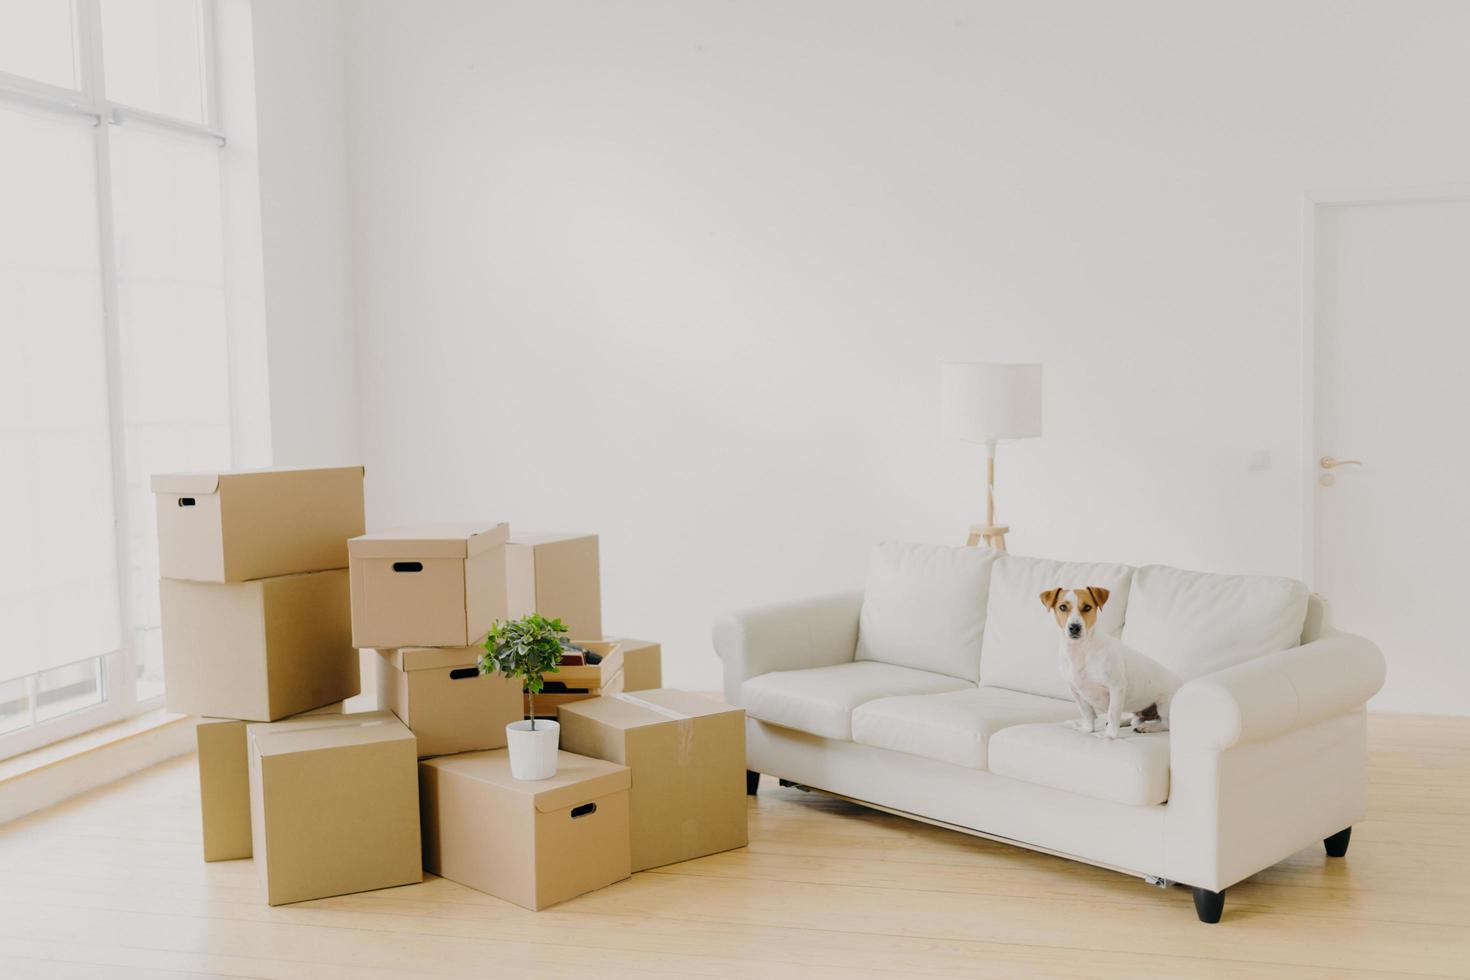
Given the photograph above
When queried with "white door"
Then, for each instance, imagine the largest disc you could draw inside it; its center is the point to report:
(1392, 351)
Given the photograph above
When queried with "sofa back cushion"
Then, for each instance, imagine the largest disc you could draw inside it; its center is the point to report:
(1021, 634)
(924, 607)
(1196, 623)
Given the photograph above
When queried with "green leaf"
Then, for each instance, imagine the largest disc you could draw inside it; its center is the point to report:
(524, 648)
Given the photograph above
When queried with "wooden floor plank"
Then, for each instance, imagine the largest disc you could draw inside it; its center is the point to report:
(111, 884)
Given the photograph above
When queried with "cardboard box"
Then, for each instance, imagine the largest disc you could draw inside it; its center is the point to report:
(258, 650)
(232, 527)
(334, 805)
(583, 681)
(427, 586)
(557, 576)
(687, 754)
(439, 693)
(224, 788)
(534, 843)
(642, 664)
(224, 785)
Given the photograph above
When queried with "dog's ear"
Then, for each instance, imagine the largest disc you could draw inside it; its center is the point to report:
(1051, 597)
(1099, 595)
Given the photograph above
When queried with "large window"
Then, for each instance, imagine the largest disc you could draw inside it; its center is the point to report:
(115, 361)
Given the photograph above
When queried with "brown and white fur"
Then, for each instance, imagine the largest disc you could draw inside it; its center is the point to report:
(1107, 678)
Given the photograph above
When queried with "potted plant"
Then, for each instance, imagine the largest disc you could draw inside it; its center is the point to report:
(526, 648)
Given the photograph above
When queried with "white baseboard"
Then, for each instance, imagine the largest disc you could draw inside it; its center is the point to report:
(97, 758)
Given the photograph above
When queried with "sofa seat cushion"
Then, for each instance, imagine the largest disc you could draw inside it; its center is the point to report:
(954, 727)
(1133, 769)
(1019, 651)
(821, 700)
(1196, 623)
(924, 607)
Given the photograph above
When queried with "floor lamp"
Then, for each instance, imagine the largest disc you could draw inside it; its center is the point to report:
(985, 403)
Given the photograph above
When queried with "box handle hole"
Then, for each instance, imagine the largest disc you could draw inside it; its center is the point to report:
(408, 566)
(460, 673)
(186, 501)
(583, 810)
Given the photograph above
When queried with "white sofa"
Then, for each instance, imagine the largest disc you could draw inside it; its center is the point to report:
(935, 694)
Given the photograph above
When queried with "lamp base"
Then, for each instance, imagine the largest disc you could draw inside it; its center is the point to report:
(992, 535)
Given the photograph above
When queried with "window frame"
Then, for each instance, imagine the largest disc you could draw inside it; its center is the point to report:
(89, 101)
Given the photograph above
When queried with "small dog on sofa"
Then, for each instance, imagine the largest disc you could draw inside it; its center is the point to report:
(1106, 678)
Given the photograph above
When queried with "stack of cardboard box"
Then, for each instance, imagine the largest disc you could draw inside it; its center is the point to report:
(254, 590)
(254, 614)
(647, 777)
(269, 585)
(257, 641)
(424, 598)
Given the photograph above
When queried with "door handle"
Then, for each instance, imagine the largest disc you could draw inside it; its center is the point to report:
(1332, 462)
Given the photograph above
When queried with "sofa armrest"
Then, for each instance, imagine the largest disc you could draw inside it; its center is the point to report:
(1277, 693)
(815, 632)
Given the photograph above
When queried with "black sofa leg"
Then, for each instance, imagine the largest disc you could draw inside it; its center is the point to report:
(1209, 905)
(1337, 844)
(752, 782)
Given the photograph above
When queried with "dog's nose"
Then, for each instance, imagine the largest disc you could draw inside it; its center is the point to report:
(1075, 629)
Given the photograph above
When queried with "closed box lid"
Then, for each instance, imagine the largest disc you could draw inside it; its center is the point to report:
(627, 711)
(429, 541)
(535, 538)
(431, 658)
(204, 484)
(577, 780)
(311, 733)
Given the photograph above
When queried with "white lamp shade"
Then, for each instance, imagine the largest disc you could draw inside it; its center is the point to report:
(990, 402)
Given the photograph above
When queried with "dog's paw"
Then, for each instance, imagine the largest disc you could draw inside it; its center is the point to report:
(1110, 733)
(1148, 727)
(1081, 726)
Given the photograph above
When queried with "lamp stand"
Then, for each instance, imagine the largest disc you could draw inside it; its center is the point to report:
(992, 534)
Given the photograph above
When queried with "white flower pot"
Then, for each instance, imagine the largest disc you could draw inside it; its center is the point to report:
(533, 753)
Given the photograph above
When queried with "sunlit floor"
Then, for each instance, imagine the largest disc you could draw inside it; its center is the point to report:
(111, 885)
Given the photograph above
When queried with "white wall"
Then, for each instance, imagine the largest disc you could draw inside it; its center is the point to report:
(250, 401)
(683, 273)
(305, 230)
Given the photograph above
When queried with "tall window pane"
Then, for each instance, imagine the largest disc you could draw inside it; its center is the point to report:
(153, 55)
(115, 360)
(75, 687)
(36, 40)
(175, 355)
(58, 584)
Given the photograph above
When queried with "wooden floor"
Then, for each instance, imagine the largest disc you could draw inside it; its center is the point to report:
(111, 885)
